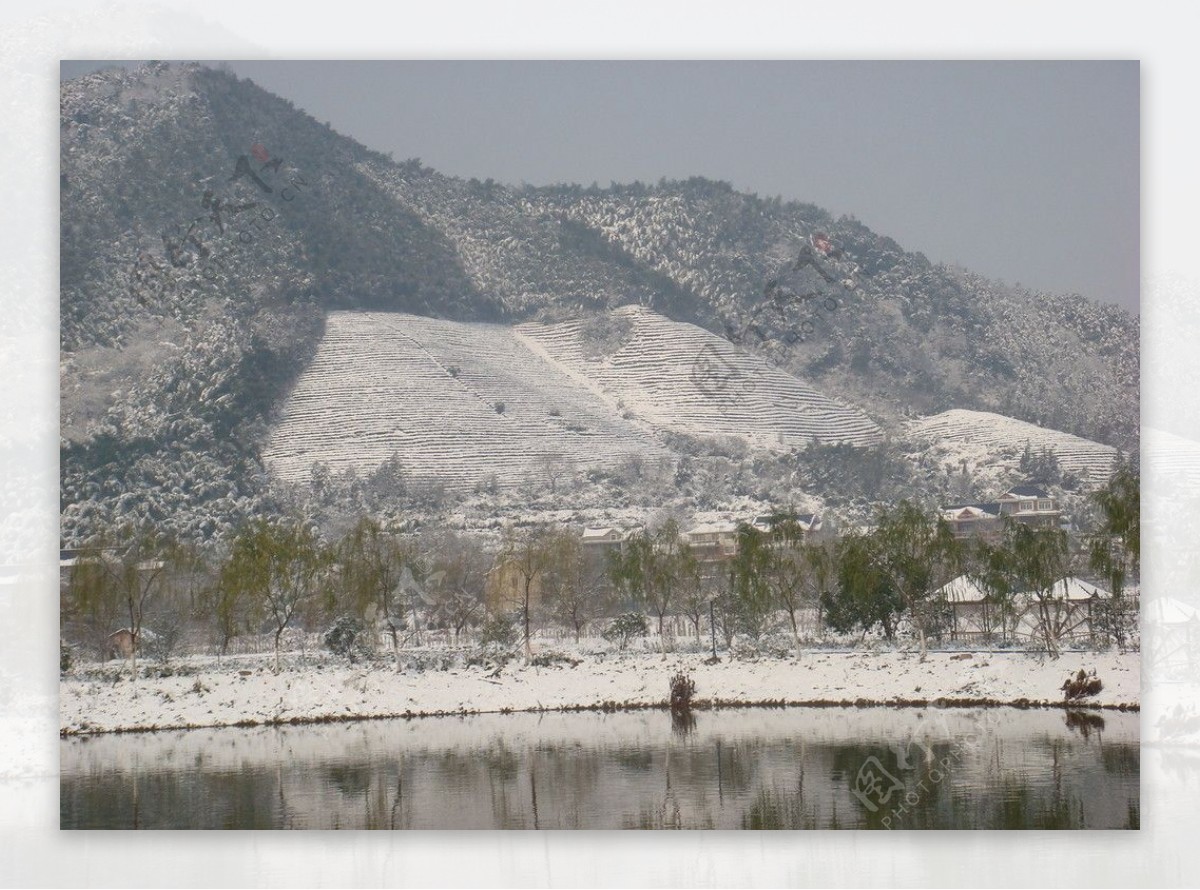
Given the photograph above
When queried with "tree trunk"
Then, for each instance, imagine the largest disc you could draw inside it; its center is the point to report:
(795, 631)
(525, 624)
(133, 644)
(278, 634)
(395, 645)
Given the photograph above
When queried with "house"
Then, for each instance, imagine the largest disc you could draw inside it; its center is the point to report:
(598, 543)
(504, 586)
(1027, 504)
(713, 542)
(121, 643)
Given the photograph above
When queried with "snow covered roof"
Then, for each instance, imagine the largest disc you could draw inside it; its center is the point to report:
(965, 590)
(608, 533)
(1168, 610)
(1026, 490)
(714, 528)
(962, 590)
(1075, 589)
(971, 511)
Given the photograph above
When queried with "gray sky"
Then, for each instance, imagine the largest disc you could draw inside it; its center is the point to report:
(1023, 171)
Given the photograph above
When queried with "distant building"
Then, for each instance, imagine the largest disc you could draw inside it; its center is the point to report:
(976, 616)
(1027, 504)
(504, 586)
(602, 541)
(713, 541)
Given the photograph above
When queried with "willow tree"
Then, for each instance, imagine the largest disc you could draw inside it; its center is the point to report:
(576, 588)
(860, 595)
(1031, 562)
(1114, 551)
(918, 555)
(122, 574)
(529, 555)
(276, 569)
(370, 568)
(653, 570)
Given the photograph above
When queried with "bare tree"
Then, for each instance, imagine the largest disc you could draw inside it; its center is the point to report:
(529, 555)
(576, 585)
(457, 571)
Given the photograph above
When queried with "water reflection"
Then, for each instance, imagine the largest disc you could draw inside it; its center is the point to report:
(757, 769)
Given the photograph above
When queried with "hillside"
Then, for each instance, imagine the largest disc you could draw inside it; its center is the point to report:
(1000, 436)
(458, 404)
(683, 378)
(467, 405)
(209, 228)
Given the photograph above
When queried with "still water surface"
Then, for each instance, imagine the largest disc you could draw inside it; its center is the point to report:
(747, 768)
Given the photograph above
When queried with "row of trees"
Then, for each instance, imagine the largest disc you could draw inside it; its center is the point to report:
(278, 574)
(275, 575)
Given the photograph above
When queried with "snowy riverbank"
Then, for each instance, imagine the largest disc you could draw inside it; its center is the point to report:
(245, 691)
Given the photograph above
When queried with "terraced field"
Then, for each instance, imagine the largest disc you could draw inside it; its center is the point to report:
(683, 378)
(459, 403)
(1083, 457)
(462, 403)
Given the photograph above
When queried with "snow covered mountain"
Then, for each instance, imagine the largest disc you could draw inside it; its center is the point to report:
(212, 233)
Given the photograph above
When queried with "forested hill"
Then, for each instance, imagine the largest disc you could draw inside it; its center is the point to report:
(208, 225)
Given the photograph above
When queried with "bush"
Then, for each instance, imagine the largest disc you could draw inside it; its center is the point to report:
(498, 630)
(345, 637)
(66, 657)
(682, 690)
(551, 659)
(624, 627)
(767, 646)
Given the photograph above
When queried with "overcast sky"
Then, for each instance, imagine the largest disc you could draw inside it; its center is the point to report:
(1023, 171)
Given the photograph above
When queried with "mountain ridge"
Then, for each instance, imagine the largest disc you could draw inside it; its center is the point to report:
(185, 326)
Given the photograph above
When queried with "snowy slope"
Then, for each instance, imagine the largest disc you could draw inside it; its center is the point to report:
(994, 432)
(429, 390)
(685, 379)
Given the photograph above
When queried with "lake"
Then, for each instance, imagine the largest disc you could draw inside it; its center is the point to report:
(786, 768)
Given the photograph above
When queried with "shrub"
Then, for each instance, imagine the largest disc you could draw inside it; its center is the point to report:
(66, 657)
(498, 630)
(345, 637)
(625, 627)
(682, 690)
(551, 659)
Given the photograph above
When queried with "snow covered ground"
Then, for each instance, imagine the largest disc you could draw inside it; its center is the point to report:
(245, 691)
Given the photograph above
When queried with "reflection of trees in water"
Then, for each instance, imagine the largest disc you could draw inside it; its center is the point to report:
(683, 723)
(783, 807)
(1084, 723)
(1121, 760)
(631, 771)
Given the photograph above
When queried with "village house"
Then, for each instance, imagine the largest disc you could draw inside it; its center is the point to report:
(1028, 504)
(504, 587)
(713, 542)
